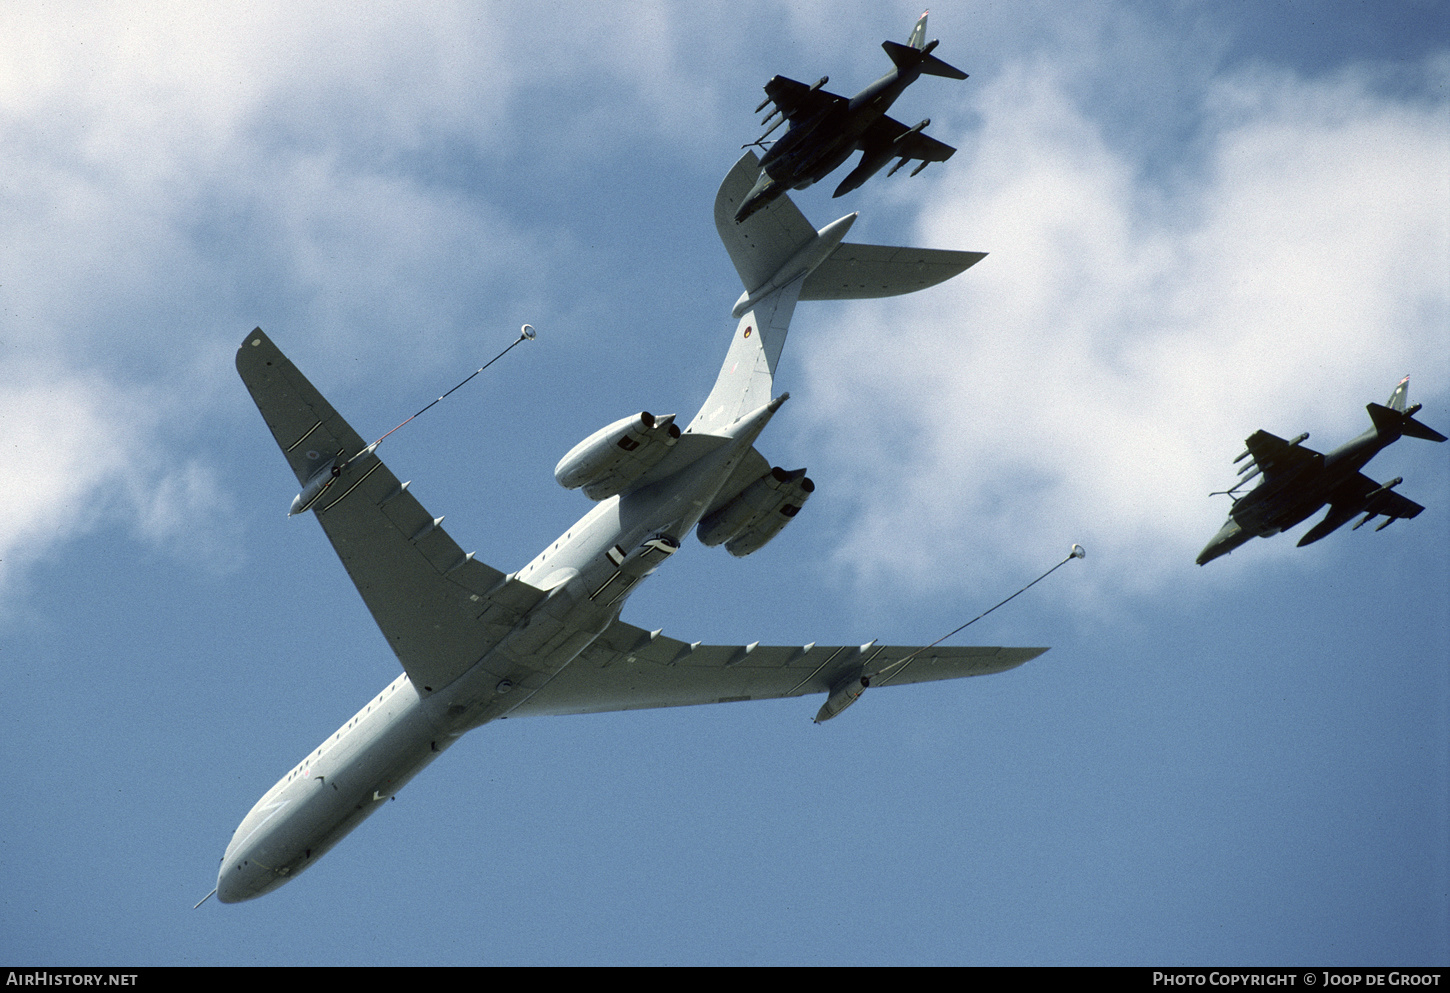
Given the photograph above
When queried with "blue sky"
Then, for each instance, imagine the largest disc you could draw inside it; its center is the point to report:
(1202, 219)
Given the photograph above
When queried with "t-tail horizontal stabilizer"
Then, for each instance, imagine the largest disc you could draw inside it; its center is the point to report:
(805, 261)
(781, 258)
(766, 245)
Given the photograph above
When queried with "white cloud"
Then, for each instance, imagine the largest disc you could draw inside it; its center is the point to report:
(77, 455)
(1092, 378)
(59, 445)
(166, 166)
(177, 172)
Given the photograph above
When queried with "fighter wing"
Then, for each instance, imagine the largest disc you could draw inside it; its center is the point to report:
(1363, 494)
(896, 140)
(1277, 457)
(1390, 504)
(440, 609)
(629, 668)
(798, 101)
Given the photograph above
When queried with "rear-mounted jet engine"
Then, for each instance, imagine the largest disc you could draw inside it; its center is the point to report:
(758, 513)
(610, 459)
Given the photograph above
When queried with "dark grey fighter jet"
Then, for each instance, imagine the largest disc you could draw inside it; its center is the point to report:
(825, 129)
(1298, 481)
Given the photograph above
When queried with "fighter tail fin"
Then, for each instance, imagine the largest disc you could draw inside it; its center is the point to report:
(917, 38)
(1399, 396)
(933, 66)
(1398, 419)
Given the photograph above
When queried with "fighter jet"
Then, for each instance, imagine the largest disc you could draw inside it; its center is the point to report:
(825, 128)
(477, 644)
(1297, 481)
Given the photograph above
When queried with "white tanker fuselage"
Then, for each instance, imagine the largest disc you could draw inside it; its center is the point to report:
(588, 571)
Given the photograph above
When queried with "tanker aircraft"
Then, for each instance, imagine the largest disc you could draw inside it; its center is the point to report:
(825, 128)
(1298, 481)
(477, 644)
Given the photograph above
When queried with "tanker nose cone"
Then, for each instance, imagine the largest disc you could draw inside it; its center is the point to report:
(244, 880)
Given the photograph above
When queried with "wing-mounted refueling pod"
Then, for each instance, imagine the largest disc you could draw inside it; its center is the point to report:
(846, 693)
(330, 470)
(848, 689)
(610, 459)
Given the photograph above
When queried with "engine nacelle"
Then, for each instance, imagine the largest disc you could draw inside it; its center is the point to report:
(610, 459)
(758, 513)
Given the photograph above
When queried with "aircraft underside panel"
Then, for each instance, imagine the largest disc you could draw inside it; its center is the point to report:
(890, 139)
(628, 668)
(439, 608)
